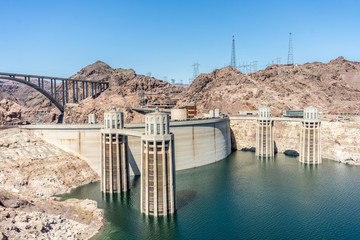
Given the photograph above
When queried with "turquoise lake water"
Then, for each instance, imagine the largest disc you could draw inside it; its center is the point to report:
(242, 197)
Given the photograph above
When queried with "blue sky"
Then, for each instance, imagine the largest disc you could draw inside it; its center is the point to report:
(58, 38)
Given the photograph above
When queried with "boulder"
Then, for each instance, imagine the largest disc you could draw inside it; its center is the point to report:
(291, 153)
(251, 149)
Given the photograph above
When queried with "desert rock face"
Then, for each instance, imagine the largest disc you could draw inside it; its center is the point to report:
(332, 87)
(339, 140)
(9, 111)
(28, 218)
(38, 168)
(15, 91)
(32, 108)
(31, 171)
(125, 85)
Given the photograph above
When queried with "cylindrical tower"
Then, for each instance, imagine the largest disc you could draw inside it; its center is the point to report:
(92, 118)
(264, 133)
(158, 193)
(310, 141)
(114, 161)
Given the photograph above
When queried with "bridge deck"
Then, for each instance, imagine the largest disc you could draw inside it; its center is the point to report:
(45, 77)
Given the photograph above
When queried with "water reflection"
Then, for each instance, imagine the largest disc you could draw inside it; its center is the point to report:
(135, 182)
(116, 198)
(309, 166)
(163, 227)
(265, 159)
(184, 197)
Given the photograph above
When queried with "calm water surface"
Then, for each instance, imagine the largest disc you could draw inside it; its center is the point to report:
(243, 197)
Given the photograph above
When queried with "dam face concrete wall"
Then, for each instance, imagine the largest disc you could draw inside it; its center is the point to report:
(84, 143)
(197, 142)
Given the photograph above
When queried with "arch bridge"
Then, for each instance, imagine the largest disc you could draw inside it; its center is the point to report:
(61, 90)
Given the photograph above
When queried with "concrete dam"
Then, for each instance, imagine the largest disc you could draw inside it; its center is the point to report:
(197, 142)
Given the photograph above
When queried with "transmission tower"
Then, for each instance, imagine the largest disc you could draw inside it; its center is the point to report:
(290, 59)
(248, 67)
(283, 75)
(254, 66)
(233, 58)
(196, 70)
(142, 98)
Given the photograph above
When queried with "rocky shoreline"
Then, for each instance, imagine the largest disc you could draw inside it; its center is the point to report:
(339, 140)
(31, 172)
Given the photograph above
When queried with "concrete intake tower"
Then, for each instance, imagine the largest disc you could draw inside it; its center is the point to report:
(310, 142)
(157, 166)
(114, 162)
(264, 133)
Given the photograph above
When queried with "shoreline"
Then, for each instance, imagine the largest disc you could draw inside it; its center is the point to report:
(32, 173)
(339, 140)
(348, 162)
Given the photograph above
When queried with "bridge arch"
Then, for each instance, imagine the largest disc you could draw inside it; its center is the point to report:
(87, 88)
(41, 90)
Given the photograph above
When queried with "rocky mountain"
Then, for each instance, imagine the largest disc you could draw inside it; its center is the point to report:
(123, 93)
(332, 87)
(9, 111)
(125, 85)
(33, 105)
(14, 91)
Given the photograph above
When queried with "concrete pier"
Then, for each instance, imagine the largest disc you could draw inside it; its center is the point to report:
(310, 141)
(264, 133)
(92, 118)
(158, 193)
(114, 161)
